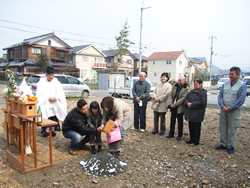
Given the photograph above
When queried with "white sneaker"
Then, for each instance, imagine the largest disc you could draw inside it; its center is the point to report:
(133, 128)
(143, 130)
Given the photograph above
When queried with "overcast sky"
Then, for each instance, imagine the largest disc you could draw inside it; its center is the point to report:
(169, 25)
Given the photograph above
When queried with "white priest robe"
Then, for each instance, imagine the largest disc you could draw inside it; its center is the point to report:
(45, 90)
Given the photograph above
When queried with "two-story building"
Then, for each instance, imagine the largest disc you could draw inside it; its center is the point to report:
(173, 63)
(22, 56)
(144, 63)
(197, 66)
(89, 60)
(200, 63)
(123, 64)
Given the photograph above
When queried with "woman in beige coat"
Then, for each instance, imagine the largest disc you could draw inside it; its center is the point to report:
(159, 106)
(121, 110)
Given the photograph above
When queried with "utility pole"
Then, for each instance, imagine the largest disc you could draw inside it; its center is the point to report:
(140, 52)
(211, 57)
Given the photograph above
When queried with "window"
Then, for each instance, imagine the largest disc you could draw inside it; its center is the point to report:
(62, 79)
(180, 62)
(33, 79)
(155, 74)
(142, 64)
(153, 62)
(169, 75)
(49, 42)
(73, 80)
(129, 61)
(36, 50)
(11, 54)
(98, 59)
(85, 59)
(168, 62)
(61, 54)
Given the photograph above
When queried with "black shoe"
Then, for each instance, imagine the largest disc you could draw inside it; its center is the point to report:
(45, 135)
(178, 138)
(53, 134)
(161, 133)
(189, 142)
(154, 132)
(111, 152)
(117, 154)
(99, 148)
(169, 136)
(93, 151)
(196, 143)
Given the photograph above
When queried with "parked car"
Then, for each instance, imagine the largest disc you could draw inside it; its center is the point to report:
(246, 80)
(72, 86)
(221, 82)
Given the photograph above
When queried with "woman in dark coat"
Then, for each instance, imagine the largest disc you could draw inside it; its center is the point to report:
(195, 107)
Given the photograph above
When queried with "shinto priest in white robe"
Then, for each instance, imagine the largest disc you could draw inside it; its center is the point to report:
(45, 90)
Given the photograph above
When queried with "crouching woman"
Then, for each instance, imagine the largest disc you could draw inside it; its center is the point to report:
(195, 107)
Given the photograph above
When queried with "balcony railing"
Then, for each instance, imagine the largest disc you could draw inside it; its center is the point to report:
(102, 65)
(60, 56)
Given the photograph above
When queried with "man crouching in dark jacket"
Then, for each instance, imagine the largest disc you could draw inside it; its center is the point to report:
(75, 126)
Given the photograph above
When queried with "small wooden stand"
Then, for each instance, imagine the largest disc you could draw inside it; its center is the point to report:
(22, 114)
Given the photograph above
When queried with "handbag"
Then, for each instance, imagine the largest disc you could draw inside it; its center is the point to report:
(155, 105)
(114, 135)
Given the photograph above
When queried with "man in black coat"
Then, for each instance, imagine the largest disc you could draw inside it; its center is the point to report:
(75, 126)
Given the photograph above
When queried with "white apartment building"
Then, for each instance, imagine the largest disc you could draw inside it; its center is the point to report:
(173, 63)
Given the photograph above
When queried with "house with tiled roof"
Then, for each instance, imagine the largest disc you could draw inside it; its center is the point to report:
(201, 63)
(89, 60)
(22, 56)
(125, 63)
(173, 63)
(144, 63)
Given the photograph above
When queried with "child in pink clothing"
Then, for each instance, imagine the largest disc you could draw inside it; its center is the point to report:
(114, 137)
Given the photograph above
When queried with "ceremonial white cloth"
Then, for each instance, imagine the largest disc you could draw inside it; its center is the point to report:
(45, 90)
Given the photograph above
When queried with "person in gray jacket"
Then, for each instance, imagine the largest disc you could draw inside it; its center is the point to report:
(141, 91)
(195, 107)
(231, 98)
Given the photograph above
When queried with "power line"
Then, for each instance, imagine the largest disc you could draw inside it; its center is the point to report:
(64, 38)
(18, 29)
(57, 31)
(37, 27)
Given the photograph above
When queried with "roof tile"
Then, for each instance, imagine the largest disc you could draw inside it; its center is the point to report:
(165, 55)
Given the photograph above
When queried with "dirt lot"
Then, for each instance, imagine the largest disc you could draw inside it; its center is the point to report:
(153, 160)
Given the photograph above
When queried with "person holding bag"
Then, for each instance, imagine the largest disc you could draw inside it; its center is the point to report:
(159, 105)
(122, 112)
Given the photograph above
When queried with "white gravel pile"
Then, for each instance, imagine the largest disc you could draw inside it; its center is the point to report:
(103, 163)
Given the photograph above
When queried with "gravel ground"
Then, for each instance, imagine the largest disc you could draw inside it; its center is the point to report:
(152, 160)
